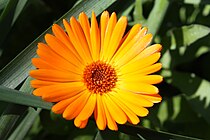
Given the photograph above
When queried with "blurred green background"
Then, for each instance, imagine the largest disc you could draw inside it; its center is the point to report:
(181, 26)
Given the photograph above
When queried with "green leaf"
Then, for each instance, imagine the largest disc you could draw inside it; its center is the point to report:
(185, 44)
(107, 135)
(25, 124)
(187, 35)
(27, 118)
(3, 4)
(9, 119)
(149, 134)
(9, 16)
(87, 133)
(196, 91)
(3, 105)
(18, 97)
(156, 16)
(138, 12)
(192, 1)
(12, 114)
(196, 2)
(55, 123)
(17, 70)
(113, 135)
(169, 109)
(178, 116)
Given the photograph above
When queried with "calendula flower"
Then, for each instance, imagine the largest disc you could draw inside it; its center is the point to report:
(96, 69)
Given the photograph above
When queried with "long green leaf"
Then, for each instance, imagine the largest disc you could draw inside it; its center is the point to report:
(18, 97)
(138, 11)
(156, 15)
(27, 118)
(112, 135)
(9, 16)
(19, 8)
(9, 119)
(3, 4)
(17, 70)
(148, 134)
(6, 19)
(20, 132)
(14, 113)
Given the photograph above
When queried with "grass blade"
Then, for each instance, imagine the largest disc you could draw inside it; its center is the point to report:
(148, 134)
(9, 118)
(156, 15)
(3, 4)
(22, 129)
(14, 113)
(18, 97)
(138, 12)
(9, 16)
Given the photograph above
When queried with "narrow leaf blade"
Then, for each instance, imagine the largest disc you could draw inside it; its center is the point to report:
(18, 97)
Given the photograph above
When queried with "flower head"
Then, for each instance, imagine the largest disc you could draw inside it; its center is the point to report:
(88, 69)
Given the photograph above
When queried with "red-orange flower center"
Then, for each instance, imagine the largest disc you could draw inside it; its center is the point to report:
(99, 77)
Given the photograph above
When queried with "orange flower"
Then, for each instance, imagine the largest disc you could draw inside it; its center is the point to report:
(95, 69)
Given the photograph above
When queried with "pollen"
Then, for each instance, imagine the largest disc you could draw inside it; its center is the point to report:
(99, 77)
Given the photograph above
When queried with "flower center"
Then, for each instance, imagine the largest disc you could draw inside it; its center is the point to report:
(99, 77)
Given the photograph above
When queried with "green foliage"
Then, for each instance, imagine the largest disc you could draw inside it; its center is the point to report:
(181, 26)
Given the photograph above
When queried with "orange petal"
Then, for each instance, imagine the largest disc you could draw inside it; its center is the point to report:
(148, 51)
(57, 46)
(132, 33)
(109, 29)
(56, 60)
(87, 111)
(139, 88)
(84, 22)
(40, 83)
(134, 50)
(134, 98)
(145, 71)
(60, 95)
(39, 63)
(110, 121)
(134, 106)
(59, 107)
(131, 115)
(155, 98)
(117, 113)
(116, 36)
(54, 75)
(80, 37)
(52, 92)
(131, 46)
(83, 51)
(76, 106)
(148, 79)
(103, 25)
(83, 123)
(100, 116)
(63, 37)
(138, 110)
(140, 64)
(95, 38)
